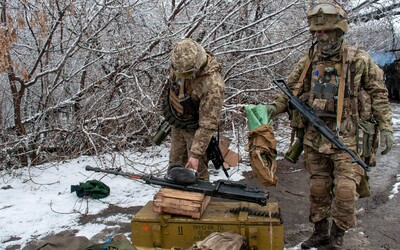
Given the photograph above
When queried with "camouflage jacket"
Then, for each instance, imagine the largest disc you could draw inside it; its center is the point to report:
(368, 93)
(207, 92)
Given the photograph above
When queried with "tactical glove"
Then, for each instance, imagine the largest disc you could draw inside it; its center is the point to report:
(386, 140)
(271, 110)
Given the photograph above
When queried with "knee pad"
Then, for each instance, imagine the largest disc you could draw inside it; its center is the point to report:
(345, 189)
(318, 187)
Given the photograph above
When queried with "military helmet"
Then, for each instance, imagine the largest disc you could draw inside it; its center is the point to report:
(327, 16)
(188, 57)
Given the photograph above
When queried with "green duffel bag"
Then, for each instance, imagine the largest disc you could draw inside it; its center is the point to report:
(94, 189)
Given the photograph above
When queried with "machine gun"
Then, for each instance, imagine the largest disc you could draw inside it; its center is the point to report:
(221, 188)
(213, 151)
(309, 114)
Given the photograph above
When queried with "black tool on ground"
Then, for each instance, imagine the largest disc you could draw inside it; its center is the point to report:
(309, 114)
(221, 188)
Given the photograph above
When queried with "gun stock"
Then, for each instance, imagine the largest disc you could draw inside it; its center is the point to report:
(221, 188)
(309, 114)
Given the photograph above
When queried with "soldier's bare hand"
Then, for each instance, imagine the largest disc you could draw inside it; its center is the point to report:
(193, 163)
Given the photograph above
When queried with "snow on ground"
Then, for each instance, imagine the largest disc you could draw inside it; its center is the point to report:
(396, 187)
(36, 202)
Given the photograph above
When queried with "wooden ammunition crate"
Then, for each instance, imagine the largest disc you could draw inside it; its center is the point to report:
(174, 201)
(262, 226)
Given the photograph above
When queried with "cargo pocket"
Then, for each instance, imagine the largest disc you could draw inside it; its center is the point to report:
(365, 138)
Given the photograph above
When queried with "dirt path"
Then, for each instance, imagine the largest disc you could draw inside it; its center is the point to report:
(378, 216)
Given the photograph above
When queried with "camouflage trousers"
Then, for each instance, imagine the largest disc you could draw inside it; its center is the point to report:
(334, 179)
(181, 141)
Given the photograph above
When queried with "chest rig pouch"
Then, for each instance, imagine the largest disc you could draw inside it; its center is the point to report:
(179, 108)
(181, 99)
(324, 88)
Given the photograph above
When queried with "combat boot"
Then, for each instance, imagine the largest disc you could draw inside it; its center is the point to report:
(336, 237)
(320, 236)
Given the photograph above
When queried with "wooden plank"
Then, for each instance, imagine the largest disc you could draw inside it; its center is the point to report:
(184, 199)
(177, 206)
(168, 192)
(180, 202)
(205, 204)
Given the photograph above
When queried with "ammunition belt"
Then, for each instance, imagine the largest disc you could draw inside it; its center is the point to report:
(255, 212)
(177, 120)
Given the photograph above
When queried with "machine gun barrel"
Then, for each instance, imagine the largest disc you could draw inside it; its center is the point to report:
(309, 114)
(221, 188)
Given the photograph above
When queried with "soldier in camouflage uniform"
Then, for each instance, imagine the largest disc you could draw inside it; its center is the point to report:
(345, 88)
(195, 100)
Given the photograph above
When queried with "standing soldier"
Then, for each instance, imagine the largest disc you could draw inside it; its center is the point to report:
(193, 104)
(346, 90)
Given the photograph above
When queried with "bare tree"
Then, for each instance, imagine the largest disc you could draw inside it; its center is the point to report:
(87, 77)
